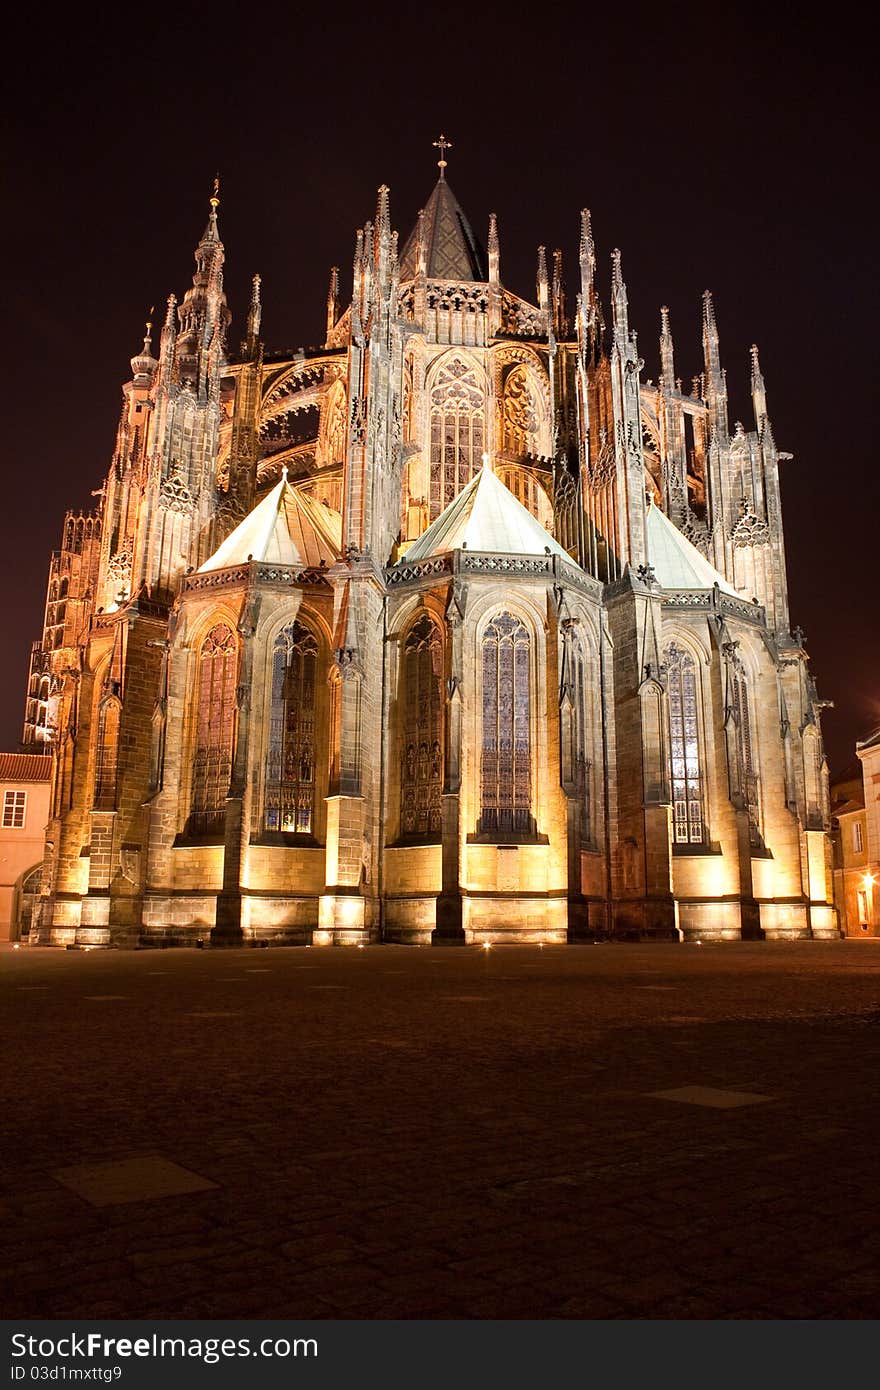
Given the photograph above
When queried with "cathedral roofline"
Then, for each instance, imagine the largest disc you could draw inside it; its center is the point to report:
(486, 516)
(676, 562)
(287, 528)
(445, 238)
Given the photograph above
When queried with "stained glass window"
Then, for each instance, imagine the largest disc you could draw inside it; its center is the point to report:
(215, 730)
(506, 797)
(290, 769)
(421, 772)
(684, 749)
(457, 432)
(107, 756)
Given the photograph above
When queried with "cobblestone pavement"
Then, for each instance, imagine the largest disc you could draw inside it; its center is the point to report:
(407, 1132)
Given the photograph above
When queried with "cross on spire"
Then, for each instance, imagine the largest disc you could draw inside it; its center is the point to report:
(442, 145)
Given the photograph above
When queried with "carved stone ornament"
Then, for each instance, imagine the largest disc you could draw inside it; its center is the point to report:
(750, 529)
(174, 494)
(119, 567)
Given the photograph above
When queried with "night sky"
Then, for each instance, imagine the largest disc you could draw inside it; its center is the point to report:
(739, 159)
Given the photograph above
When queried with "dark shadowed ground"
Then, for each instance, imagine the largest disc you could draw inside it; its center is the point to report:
(402, 1132)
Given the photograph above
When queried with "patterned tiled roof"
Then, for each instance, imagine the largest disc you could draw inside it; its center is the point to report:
(25, 767)
(451, 248)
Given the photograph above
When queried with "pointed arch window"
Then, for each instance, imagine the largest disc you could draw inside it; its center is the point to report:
(689, 825)
(215, 730)
(290, 768)
(107, 755)
(421, 772)
(505, 780)
(457, 432)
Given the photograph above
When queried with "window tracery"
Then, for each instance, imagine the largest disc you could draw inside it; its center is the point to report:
(289, 803)
(684, 748)
(215, 730)
(519, 414)
(335, 426)
(421, 772)
(457, 432)
(505, 792)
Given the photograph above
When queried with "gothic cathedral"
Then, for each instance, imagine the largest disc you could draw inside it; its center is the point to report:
(452, 629)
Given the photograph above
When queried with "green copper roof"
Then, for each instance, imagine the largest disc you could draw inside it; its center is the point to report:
(677, 563)
(287, 528)
(486, 516)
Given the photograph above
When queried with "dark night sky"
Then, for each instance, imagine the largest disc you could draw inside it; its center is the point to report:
(738, 159)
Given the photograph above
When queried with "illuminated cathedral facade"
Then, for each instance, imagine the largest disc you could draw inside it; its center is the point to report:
(453, 629)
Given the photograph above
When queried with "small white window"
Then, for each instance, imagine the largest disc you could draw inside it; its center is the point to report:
(13, 809)
(858, 841)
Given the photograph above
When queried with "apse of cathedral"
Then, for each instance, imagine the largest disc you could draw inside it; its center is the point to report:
(452, 629)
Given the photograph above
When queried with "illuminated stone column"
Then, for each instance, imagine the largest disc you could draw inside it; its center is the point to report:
(449, 928)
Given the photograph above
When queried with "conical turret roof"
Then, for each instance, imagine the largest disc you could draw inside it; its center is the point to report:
(287, 528)
(486, 516)
(676, 562)
(451, 249)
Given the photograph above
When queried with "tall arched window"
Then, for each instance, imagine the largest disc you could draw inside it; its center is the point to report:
(107, 755)
(684, 749)
(506, 796)
(457, 432)
(290, 769)
(215, 730)
(421, 771)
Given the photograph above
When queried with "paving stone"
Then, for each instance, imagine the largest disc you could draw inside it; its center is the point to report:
(139, 1179)
(377, 1149)
(715, 1097)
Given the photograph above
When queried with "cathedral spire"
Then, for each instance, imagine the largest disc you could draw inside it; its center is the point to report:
(333, 299)
(450, 249)
(383, 215)
(619, 306)
(560, 322)
(667, 360)
(587, 255)
(421, 246)
(211, 234)
(255, 313)
(204, 314)
(542, 285)
(494, 249)
(711, 350)
(168, 339)
(759, 392)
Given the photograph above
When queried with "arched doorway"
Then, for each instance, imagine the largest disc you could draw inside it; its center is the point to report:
(26, 894)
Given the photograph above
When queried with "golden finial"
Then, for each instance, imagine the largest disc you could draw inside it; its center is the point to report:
(215, 196)
(442, 145)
